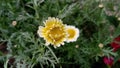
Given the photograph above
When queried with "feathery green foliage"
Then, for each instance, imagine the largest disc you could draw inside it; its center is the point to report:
(24, 48)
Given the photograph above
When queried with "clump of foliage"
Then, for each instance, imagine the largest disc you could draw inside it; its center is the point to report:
(21, 47)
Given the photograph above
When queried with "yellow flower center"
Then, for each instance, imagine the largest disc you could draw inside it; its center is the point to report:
(56, 34)
(71, 33)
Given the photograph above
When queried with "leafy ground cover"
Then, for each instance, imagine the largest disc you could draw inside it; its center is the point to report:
(97, 46)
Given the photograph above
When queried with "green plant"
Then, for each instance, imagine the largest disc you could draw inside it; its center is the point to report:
(97, 20)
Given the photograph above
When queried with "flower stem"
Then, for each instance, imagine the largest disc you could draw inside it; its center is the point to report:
(54, 55)
(108, 66)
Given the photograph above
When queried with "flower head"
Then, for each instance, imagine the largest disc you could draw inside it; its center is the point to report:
(73, 33)
(101, 45)
(53, 32)
(14, 23)
(100, 6)
(108, 61)
(116, 44)
(118, 18)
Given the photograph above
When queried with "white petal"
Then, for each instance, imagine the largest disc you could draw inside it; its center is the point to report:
(39, 31)
(47, 43)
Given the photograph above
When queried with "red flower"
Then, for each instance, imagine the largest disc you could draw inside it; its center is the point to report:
(116, 44)
(119, 60)
(108, 60)
(117, 39)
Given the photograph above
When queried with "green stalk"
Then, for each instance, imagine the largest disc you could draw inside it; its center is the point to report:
(35, 6)
(108, 66)
(5, 64)
(54, 55)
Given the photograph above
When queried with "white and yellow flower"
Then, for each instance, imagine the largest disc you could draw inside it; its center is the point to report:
(56, 33)
(73, 33)
(53, 32)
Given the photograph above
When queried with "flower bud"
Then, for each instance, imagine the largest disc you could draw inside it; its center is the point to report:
(14, 23)
(101, 45)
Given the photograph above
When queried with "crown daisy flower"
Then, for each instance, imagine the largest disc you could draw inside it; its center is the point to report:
(53, 32)
(73, 33)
